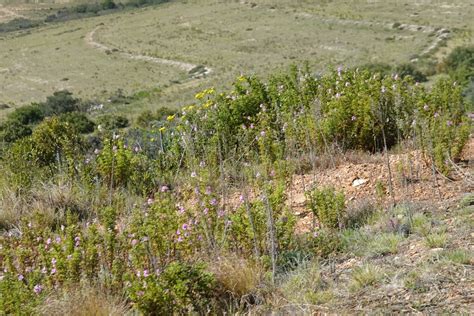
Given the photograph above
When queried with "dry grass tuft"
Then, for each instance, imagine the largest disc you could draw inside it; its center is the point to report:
(83, 302)
(240, 278)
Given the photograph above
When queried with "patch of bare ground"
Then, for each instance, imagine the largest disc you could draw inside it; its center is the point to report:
(413, 180)
(415, 279)
(431, 270)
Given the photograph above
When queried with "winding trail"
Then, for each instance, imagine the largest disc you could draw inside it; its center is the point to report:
(196, 71)
(441, 34)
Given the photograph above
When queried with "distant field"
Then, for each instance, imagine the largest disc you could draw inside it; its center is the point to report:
(96, 56)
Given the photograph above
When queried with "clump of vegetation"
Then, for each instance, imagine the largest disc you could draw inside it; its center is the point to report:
(79, 121)
(18, 24)
(140, 209)
(459, 64)
(305, 285)
(436, 240)
(366, 275)
(148, 119)
(112, 122)
(180, 289)
(328, 206)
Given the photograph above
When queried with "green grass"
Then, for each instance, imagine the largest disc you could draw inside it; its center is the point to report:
(436, 240)
(229, 37)
(365, 276)
(457, 256)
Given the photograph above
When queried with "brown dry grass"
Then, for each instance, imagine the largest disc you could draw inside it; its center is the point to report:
(86, 301)
(238, 277)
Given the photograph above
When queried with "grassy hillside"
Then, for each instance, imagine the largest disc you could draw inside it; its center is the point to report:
(231, 38)
(233, 157)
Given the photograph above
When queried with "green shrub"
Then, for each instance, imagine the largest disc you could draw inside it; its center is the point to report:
(17, 296)
(147, 118)
(377, 68)
(108, 5)
(18, 24)
(328, 206)
(410, 70)
(79, 121)
(55, 142)
(325, 242)
(13, 130)
(249, 232)
(112, 122)
(443, 124)
(19, 165)
(460, 64)
(29, 114)
(179, 289)
(60, 102)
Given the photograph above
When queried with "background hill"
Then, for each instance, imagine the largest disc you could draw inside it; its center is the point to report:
(230, 38)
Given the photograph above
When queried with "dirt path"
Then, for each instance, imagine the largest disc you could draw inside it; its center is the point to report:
(190, 68)
(440, 34)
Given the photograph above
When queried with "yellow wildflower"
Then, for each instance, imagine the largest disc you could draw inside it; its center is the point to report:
(210, 91)
(200, 95)
(207, 104)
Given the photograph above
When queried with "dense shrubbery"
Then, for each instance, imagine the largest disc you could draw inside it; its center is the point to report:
(18, 24)
(460, 66)
(79, 121)
(23, 120)
(148, 119)
(402, 70)
(29, 114)
(112, 122)
(201, 183)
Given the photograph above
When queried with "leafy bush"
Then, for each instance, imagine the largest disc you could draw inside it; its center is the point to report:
(60, 102)
(410, 70)
(377, 68)
(13, 130)
(443, 124)
(79, 121)
(112, 122)
(17, 296)
(325, 242)
(179, 289)
(148, 118)
(108, 5)
(29, 114)
(119, 165)
(328, 206)
(55, 142)
(460, 64)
